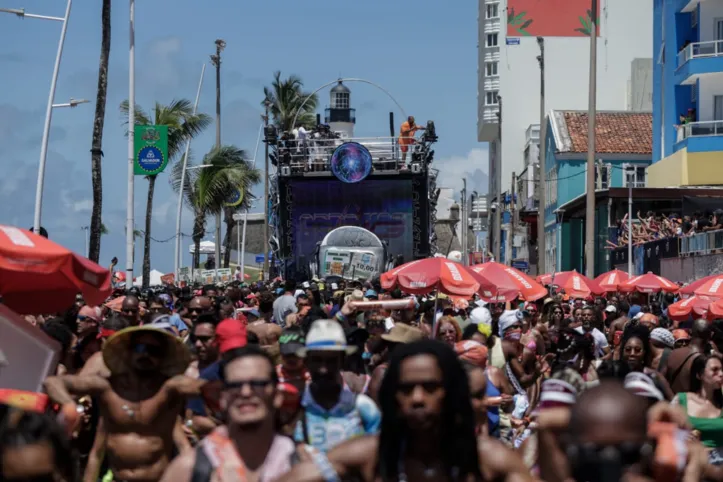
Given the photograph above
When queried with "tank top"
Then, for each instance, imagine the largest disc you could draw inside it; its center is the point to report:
(711, 429)
(497, 355)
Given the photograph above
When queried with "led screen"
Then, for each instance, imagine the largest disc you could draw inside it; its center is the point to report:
(384, 207)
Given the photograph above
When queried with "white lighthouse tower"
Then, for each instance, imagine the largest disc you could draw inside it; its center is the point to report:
(339, 115)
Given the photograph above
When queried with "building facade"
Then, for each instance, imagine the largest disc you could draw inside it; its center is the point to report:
(508, 68)
(623, 145)
(640, 86)
(688, 93)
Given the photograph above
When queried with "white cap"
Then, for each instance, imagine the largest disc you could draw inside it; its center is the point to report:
(480, 315)
(611, 309)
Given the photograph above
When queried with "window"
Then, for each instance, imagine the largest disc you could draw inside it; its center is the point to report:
(718, 107)
(491, 98)
(693, 93)
(719, 28)
(492, 40)
(490, 69)
(637, 175)
(342, 100)
(602, 177)
(493, 10)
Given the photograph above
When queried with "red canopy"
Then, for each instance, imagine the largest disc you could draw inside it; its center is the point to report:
(574, 284)
(499, 282)
(712, 287)
(715, 310)
(426, 275)
(681, 310)
(690, 288)
(610, 281)
(648, 283)
(39, 276)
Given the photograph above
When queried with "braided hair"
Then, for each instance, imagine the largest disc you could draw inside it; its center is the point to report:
(457, 443)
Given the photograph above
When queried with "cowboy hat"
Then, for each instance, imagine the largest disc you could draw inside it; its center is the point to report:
(117, 350)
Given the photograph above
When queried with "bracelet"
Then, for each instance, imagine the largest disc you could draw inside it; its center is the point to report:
(340, 317)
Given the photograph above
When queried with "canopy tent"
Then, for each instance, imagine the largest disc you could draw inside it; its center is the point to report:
(155, 279)
(207, 247)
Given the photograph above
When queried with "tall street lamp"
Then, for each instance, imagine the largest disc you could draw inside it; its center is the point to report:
(130, 207)
(49, 109)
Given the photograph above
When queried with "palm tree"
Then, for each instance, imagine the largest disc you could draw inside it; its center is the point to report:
(183, 125)
(96, 150)
(207, 190)
(286, 97)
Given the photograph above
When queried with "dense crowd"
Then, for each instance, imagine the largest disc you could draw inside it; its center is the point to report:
(333, 381)
(654, 226)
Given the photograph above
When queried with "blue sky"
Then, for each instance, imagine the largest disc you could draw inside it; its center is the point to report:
(424, 53)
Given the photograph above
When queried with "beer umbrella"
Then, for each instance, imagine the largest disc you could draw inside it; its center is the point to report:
(711, 288)
(689, 289)
(499, 282)
(715, 310)
(610, 281)
(40, 276)
(648, 283)
(432, 274)
(574, 284)
(683, 309)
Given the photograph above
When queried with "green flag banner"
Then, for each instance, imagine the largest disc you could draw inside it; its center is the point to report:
(151, 150)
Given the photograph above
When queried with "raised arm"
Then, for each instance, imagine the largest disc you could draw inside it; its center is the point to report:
(62, 389)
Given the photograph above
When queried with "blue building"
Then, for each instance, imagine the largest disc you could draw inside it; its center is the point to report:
(687, 93)
(623, 142)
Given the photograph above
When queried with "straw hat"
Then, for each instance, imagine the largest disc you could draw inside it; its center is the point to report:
(403, 333)
(117, 351)
(326, 335)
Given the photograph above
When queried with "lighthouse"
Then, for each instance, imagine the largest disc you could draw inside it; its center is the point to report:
(339, 115)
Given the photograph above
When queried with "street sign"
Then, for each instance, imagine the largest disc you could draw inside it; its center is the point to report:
(513, 40)
(259, 258)
(521, 265)
(151, 150)
(236, 198)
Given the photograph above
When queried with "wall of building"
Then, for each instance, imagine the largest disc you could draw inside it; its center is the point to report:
(691, 268)
(626, 34)
(640, 97)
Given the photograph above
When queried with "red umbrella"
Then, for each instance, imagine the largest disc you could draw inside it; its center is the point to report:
(689, 289)
(715, 310)
(574, 284)
(544, 279)
(648, 283)
(39, 276)
(610, 281)
(499, 282)
(425, 275)
(711, 288)
(681, 310)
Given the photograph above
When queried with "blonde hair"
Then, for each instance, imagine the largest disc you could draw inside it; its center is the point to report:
(453, 322)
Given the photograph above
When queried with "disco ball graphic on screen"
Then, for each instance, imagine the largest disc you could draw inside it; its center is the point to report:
(351, 162)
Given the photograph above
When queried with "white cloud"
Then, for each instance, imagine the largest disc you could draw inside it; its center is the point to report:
(473, 167)
(84, 205)
(166, 46)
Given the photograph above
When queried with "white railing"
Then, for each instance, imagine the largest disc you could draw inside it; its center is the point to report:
(313, 154)
(700, 129)
(702, 243)
(713, 48)
(532, 132)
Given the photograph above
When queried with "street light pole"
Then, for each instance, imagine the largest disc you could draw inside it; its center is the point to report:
(130, 224)
(267, 106)
(498, 182)
(179, 209)
(628, 175)
(216, 61)
(49, 108)
(85, 239)
(590, 182)
(542, 175)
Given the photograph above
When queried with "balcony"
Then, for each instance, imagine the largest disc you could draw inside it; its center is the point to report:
(702, 243)
(697, 59)
(703, 136)
(532, 133)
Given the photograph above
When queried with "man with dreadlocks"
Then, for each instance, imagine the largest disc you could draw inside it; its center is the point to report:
(427, 430)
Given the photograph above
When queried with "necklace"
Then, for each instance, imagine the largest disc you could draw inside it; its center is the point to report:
(129, 411)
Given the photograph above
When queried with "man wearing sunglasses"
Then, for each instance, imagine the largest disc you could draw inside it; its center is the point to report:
(249, 442)
(197, 306)
(139, 402)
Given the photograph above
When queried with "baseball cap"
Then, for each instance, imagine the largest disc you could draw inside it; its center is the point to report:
(290, 342)
(326, 335)
(92, 312)
(230, 334)
(610, 309)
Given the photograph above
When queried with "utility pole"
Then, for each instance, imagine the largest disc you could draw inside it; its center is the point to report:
(513, 221)
(267, 106)
(130, 206)
(498, 182)
(463, 234)
(542, 175)
(590, 182)
(216, 62)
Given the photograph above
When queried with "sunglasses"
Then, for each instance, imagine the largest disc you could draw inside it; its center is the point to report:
(258, 386)
(202, 339)
(129, 311)
(428, 387)
(157, 309)
(150, 350)
(84, 318)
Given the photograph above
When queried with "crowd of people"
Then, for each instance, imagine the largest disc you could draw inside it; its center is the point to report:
(279, 382)
(654, 226)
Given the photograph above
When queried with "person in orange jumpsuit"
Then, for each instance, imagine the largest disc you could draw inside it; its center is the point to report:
(406, 135)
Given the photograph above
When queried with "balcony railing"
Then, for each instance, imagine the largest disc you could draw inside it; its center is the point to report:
(698, 50)
(702, 243)
(700, 129)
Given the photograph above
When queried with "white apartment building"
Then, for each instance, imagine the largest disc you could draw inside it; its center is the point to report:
(512, 72)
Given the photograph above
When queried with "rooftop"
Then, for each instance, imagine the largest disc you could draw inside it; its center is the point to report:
(616, 132)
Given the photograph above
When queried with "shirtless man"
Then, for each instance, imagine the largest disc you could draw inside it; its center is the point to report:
(139, 403)
(421, 439)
